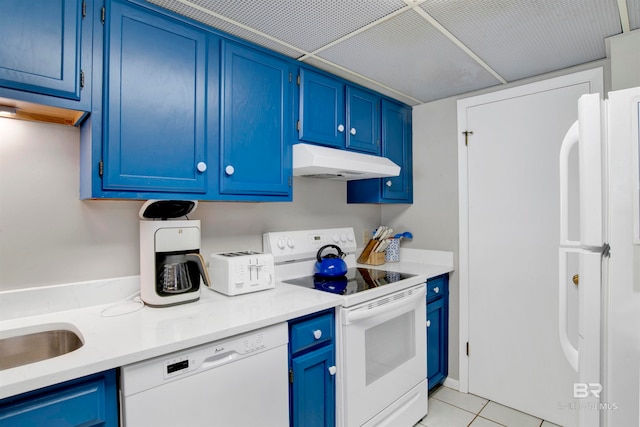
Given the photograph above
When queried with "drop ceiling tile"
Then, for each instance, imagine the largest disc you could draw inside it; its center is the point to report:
(410, 55)
(634, 13)
(306, 24)
(523, 38)
(361, 80)
(200, 15)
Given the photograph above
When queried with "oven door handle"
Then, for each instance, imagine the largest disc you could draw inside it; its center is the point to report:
(362, 314)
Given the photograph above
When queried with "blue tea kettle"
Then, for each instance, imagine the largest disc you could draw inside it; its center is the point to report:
(331, 265)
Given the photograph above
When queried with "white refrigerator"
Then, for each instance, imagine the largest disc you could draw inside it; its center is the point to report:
(599, 280)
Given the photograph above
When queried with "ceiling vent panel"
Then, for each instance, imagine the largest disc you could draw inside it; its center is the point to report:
(306, 24)
(410, 55)
(197, 13)
(523, 38)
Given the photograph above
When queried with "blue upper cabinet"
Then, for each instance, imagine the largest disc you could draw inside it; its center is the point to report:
(256, 123)
(396, 137)
(155, 137)
(42, 57)
(322, 110)
(396, 145)
(363, 121)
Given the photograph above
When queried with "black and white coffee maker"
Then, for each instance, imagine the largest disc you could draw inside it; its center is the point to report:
(171, 266)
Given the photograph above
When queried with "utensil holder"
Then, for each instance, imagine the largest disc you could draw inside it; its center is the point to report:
(375, 258)
(392, 253)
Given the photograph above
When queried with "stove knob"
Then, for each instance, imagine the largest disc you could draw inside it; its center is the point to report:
(336, 238)
(281, 243)
(290, 242)
(343, 237)
(350, 237)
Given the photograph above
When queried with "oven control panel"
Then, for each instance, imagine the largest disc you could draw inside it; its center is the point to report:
(303, 244)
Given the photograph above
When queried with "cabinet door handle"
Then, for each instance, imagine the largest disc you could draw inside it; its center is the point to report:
(389, 183)
(428, 323)
(436, 290)
(229, 170)
(317, 334)
(352, 131)
(332, 370)
(201, 166)
(340, 128)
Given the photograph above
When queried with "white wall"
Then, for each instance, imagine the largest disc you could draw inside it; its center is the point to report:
(48, 236)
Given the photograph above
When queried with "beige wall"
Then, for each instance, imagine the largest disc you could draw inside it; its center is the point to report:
(48, 236)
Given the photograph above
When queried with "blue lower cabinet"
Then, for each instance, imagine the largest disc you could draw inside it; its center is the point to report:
(312, 388)
(87, 401)
(437, 329)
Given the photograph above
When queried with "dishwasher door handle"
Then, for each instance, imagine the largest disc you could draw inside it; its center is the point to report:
(219, 359)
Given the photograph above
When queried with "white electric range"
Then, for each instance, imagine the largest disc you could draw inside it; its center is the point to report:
(380, 338)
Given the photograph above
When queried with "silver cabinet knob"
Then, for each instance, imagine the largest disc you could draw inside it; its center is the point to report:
(317, 334)
(201, 166)
(436, 290)
(340, 128)
(389, 183)
(352, 131)
(229, 170)
(332, 370)
(428, 323)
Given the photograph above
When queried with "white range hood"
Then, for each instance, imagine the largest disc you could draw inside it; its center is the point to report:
(331, 163)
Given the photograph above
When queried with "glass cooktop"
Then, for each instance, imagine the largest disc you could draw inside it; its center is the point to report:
(356, 280)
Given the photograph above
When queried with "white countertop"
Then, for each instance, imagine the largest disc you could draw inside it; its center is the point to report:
(110, 342)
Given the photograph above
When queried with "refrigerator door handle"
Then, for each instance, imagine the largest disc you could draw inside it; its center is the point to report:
(569, 141)
(570, 352)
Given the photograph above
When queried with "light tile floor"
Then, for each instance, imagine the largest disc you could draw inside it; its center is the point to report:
(450, 408)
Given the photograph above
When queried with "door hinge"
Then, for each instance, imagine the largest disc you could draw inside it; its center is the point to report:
(81, 79)
(289, 181)
(298, 80)
(290, 77)
(466, 134)
(101, 168)
(298, 125)
(84, 9)
(291, 375)
(103, 15)
(467, 348)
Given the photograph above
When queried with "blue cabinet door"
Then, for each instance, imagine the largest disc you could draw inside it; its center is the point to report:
(256, 122)
(313, 389)
(436, 354)
(89, 401)
(363, 121)
(396, 137)
(437, 330)
(40, 46)
(322, 110)
(396, 145)
(155, 137)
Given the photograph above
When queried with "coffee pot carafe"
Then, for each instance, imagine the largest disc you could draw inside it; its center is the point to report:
(171, 267)
(174, 275)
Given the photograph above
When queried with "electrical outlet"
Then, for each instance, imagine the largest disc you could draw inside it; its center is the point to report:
(366, 236)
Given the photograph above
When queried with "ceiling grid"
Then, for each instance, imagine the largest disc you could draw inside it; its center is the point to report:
(421, 50)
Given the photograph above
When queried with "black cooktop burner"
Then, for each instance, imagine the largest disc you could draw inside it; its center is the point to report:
(356, 280)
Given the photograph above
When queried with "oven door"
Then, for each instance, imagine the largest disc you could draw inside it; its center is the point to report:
(383, 354)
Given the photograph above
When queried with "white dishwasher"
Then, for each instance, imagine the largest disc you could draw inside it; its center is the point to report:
(236, 382)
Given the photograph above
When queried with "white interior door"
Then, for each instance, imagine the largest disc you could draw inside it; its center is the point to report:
(515, 356)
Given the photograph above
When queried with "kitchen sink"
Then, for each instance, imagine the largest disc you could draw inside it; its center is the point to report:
(28, 345)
